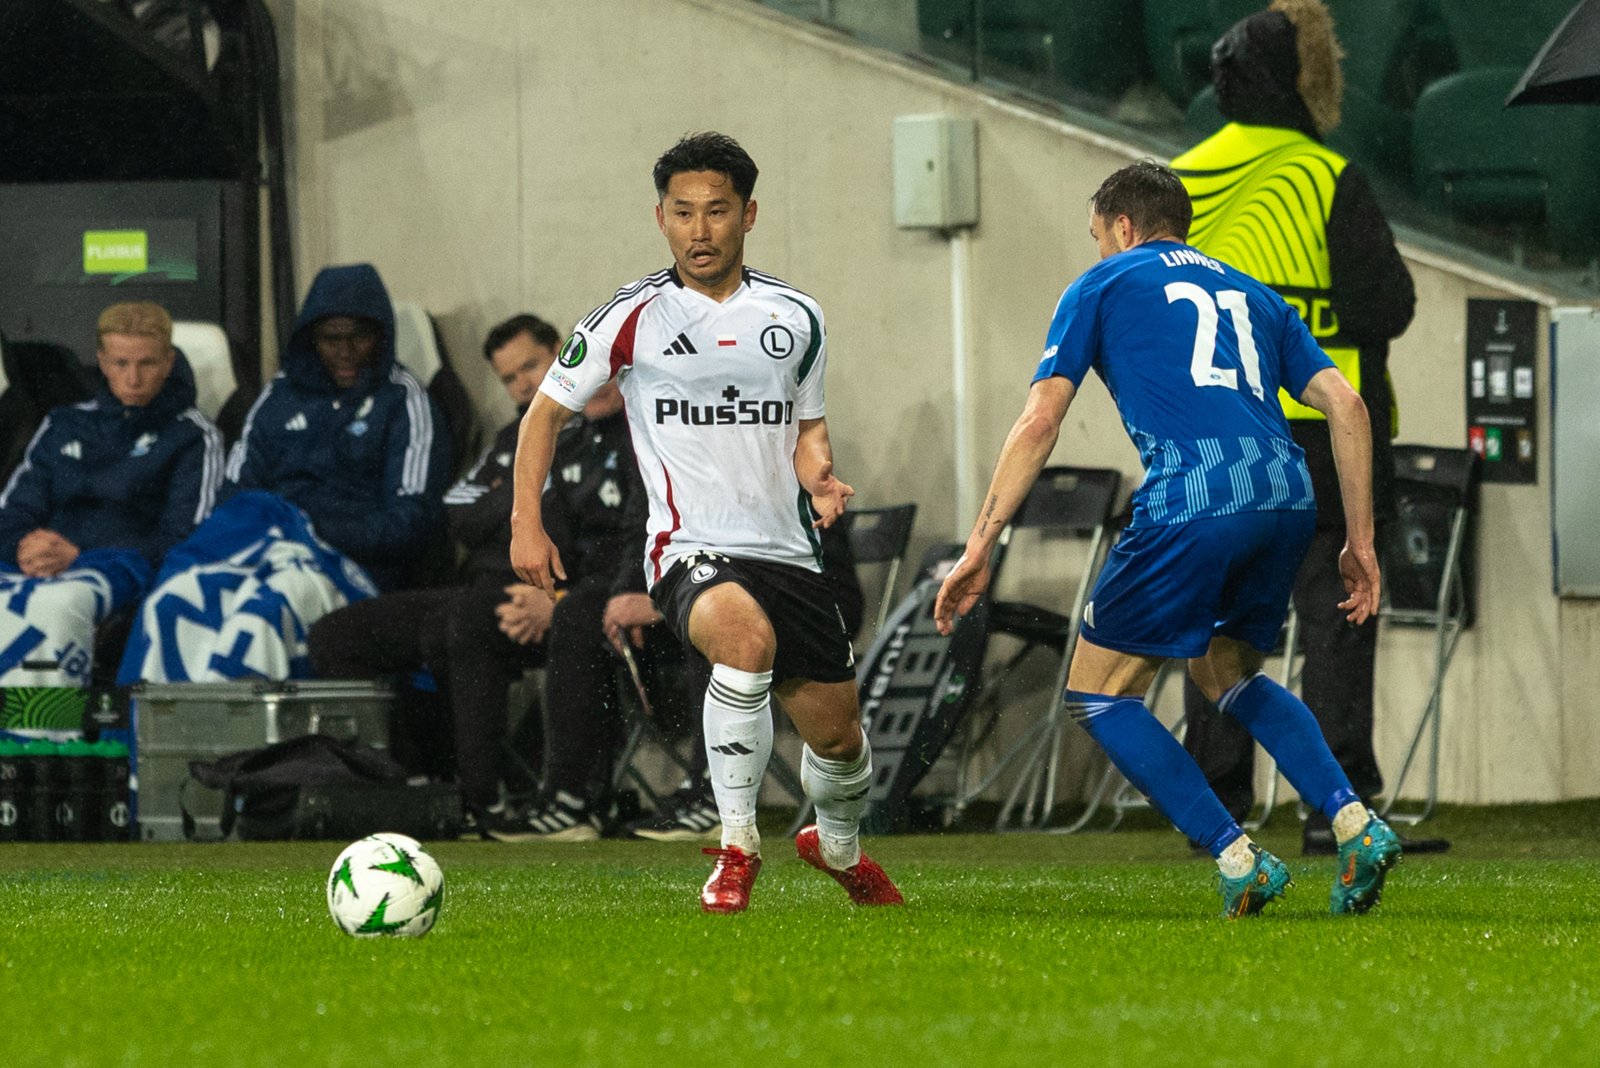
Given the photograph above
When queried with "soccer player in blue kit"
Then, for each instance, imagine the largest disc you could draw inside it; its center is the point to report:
(1194, 353)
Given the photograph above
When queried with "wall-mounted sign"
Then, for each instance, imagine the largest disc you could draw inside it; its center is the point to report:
(1502, 419)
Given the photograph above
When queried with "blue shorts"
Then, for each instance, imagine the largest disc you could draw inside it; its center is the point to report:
(1168, 590)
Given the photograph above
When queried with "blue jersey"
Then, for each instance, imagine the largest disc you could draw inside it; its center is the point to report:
(1194, 353)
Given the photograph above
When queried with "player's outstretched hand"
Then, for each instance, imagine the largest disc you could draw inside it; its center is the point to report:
(535, 558)
(1358, 566)
(828, 496)
(961, 590)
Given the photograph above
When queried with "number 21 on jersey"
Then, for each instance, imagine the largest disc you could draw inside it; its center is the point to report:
(1201, 368)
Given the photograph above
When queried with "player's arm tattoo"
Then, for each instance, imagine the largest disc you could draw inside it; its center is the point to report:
(988, 514)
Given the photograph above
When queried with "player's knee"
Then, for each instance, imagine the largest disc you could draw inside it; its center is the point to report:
(1207, 680)
(748, 646)
(843, 743)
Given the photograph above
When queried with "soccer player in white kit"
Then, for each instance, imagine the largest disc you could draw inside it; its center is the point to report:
(721, 369)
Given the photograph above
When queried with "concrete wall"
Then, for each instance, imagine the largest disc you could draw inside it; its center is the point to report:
(494, 156)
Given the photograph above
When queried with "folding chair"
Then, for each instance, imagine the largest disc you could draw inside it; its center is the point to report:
(1427, 572)
(880, 536)
(644, 728)
(1065, 502)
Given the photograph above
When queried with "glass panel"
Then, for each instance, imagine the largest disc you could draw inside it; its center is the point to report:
(1422, 113)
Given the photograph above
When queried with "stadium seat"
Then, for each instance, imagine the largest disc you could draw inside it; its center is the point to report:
(205, 346)
(1062, 42)
(1497, 33)
(40, 375)
(1065, 503)
(421, 351)
(1530, 170)
(1178, 37)
(1429, 570)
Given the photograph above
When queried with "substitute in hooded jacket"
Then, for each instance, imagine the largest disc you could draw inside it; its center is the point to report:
(105, 488)
(347, 434)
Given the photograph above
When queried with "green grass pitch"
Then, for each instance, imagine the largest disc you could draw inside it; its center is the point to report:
(1095, 949)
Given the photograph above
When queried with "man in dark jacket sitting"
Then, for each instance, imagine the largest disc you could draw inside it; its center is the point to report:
(475, 638)
(105, 488)
(332, 493)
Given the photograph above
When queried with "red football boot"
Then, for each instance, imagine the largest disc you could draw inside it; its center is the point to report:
(866, 882)
(728, 889)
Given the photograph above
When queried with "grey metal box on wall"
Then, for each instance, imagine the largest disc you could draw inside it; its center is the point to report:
(1575, 441)
(175, 723)
(935, 172)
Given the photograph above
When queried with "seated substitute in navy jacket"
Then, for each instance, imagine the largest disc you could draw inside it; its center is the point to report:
(332, 493)
(462, 634)
(106, 487)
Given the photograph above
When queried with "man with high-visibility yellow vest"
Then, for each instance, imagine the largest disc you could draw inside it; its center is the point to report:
(1272, 200)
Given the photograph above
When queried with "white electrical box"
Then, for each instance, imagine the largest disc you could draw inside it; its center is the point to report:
(935, 172)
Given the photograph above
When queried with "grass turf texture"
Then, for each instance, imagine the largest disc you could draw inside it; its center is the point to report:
(1090, 949)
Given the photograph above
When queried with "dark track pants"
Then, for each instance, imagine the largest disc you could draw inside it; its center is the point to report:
(453, 633)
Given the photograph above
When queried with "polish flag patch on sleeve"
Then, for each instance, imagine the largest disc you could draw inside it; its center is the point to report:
(726, 340)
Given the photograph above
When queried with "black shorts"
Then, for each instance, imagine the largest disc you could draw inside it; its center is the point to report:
(812, 642)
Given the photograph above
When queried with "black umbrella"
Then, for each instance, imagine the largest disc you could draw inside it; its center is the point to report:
(1567, 68)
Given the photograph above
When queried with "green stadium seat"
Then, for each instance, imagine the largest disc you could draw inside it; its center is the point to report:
(1500, 33)
(1373, 134)
(1530, 169)
(1074, 43)
(1178, 37)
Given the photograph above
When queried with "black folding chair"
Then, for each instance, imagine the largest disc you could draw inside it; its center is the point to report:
(1428, 572)
(1065, 502)
(880, 536)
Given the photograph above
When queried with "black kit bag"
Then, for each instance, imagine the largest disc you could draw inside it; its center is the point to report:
(315, 786)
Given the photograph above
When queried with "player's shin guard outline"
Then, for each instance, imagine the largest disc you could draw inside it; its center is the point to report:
(1287, 730)
(738, 730)
(838, 789)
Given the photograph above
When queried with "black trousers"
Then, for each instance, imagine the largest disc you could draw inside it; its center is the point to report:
(585, 726)
(453, 633)
(1336, 684)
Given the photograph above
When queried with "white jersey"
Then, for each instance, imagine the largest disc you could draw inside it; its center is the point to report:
(714, 394)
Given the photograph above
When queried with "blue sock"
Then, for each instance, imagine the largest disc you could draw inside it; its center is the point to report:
(1285, 727)
(1151, 758)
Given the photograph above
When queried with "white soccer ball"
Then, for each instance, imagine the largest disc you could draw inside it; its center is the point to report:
(385, 885)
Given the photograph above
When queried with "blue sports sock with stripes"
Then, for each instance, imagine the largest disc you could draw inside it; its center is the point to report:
(1285, 727)
(1152, 760)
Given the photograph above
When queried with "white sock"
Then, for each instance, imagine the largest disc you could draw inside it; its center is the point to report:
(738, 726)
(839, 790)
(1237, 859)
(1350, 821)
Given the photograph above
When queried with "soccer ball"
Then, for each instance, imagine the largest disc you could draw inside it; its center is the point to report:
(385, 884)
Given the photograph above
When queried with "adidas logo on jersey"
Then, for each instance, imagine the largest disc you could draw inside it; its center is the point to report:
(142, 446)
(73, 449)
(299, 422)
(681, 346)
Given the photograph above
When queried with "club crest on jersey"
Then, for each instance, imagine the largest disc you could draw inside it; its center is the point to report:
(702, 573)
(736, 412)
(777, 341)
(573, 352)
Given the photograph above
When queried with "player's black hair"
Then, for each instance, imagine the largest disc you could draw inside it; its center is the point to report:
(1150, 195)
(535, 327)
(709, 151)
